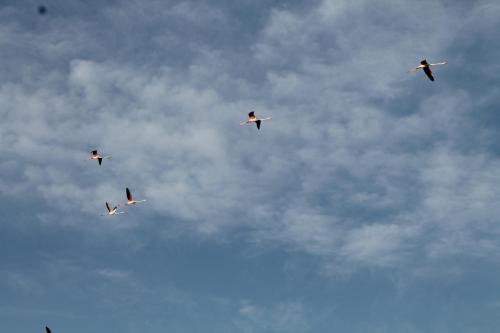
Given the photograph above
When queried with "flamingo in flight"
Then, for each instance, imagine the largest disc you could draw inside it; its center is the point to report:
(130, 198)
(426, 67)
(252, 118)
(113, 211)
(98, 157)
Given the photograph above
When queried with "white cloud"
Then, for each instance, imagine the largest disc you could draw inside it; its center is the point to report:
(113, 274)
(281, 317)
(360, 162)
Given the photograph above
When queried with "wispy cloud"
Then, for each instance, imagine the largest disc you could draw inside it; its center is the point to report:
(282, 317)
(363, 166)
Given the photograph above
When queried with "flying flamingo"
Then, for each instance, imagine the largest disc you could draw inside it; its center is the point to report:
(113, 211)
(130, 198)
(252, 118)
(97, 156)
(426, 67)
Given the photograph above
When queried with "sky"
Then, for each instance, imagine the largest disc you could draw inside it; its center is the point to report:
(369, 203)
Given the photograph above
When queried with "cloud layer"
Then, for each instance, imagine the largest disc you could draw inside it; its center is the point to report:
(362, 167)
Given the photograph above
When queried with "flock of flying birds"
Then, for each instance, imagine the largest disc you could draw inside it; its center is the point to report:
(130, 199)
(252, 118)
(95, 155)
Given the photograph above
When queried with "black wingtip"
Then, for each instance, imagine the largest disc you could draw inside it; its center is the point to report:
(47, 329)
(100, 160)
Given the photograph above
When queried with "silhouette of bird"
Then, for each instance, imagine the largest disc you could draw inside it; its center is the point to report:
(427, 68)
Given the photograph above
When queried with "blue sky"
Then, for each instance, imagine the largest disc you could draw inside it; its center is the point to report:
(368, 204)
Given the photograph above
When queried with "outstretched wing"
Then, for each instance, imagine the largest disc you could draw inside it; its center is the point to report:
(258, 124)
(427, 71)
(107, 206)
(48, 329)
(100, 160)
(129, 195)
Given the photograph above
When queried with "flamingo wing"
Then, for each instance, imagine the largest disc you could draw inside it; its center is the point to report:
(251, 114)
(94, 152)
(129, 195)
(48, 329)
(100, 160)
(428, 72)
(107, 206)
(424, 62)
(258, 124)
(440, 63)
